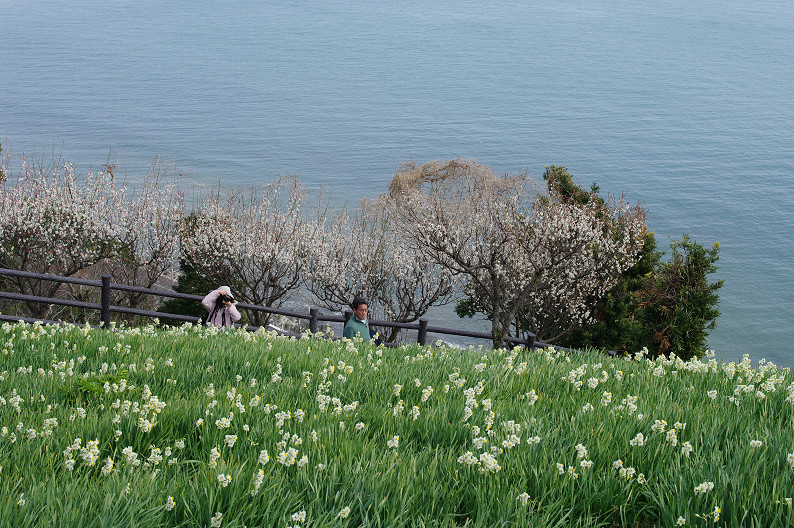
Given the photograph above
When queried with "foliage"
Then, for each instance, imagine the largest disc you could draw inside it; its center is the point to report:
(53, 222)
(191, 281)
(193, 426)
(3, 166)
(92, 386)
(616, 325)
(666, 307)
(252, 241)
(149, 224)
(364, 256)
(678, 304)
(545, 258)
(560, 182)
(567, 265)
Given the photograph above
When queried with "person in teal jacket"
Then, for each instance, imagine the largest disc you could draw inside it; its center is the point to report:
(357, 325)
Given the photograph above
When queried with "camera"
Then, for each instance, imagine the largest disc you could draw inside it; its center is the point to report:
(223, 298)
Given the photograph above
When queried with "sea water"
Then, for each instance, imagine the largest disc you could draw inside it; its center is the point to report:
(687, 107)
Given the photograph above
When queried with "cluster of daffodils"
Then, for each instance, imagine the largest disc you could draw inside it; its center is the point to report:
(508, 430)
(584, 463)
(147, 418)
(659, 427)
(628, 473)
(704, 488)
(393, 442)
(574, 377)
(582, 454)
(571, 471)
(259, 473)
(628, 405)
(288, 454)
(471, 394)
(88, 453)
(531, 397)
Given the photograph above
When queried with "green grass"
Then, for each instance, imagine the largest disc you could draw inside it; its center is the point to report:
(530, 410)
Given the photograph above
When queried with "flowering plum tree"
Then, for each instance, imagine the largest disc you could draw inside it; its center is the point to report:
(53, 222)
(3, 165)
(252, 241)
(520, 253)
(148, 224)
(365, 256)
(578, 252)
(346, 261)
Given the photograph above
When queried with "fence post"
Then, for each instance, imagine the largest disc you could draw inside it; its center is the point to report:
(105, 313)
(531, 342)
(421, 337)
(314, 323)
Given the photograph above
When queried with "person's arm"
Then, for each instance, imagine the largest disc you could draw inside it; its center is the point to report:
(234, 313)
(209, 301)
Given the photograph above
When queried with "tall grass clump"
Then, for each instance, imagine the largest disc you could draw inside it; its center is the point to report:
(189, 426)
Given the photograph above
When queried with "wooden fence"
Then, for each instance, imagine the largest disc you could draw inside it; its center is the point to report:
(314, 316)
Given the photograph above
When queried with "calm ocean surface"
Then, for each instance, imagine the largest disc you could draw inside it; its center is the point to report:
(685, 106)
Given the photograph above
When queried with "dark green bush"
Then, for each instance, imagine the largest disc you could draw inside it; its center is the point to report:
(677, 304)
(190, 281)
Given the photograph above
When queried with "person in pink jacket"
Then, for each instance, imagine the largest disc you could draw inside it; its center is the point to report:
(221, 307)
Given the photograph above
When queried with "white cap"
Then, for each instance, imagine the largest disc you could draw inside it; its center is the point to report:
(226, 290)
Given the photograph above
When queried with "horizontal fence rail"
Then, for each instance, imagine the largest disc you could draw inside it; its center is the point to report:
(314, 317)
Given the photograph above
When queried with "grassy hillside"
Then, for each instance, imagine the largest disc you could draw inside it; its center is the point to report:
(190, 427)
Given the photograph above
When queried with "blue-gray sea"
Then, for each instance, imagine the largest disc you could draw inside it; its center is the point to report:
(687, 107)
